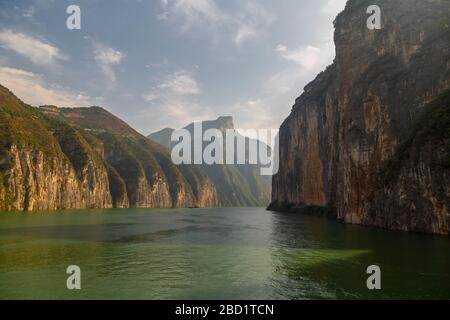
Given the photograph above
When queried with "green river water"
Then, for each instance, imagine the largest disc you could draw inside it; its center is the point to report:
(226, 253)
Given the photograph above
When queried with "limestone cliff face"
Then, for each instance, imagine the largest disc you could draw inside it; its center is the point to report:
(352, 119)
(413, 189)
(89, 166)
(207, 195)
(36, 182)
(308, 147)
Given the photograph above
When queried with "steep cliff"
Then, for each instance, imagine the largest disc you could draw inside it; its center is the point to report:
(357, 117)
(413, 189)
(37, 173)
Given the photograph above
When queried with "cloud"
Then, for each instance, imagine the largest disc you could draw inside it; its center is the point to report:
(178, 85)
(38, 51)
(246, 22)
(244, 33)
(307, 57)
(31, 89)
(270, 107)
(254, 114)
(180, 113)
(333, 7)
(241, 22)
(176, 111)
(28, 13)
(181, 83)
(308, 60)
(107, 58)
(194, 11)
(175, 100)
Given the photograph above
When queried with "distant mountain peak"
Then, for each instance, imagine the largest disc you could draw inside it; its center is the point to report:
(237, 185)
(163, 137)
(222, 123)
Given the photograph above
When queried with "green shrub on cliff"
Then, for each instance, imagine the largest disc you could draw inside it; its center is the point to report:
(23, 125)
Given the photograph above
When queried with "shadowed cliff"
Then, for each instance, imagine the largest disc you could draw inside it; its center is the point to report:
(353, 147)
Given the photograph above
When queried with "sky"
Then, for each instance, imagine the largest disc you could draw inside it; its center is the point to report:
(166, 63)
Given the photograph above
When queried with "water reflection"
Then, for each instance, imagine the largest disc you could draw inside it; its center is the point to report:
(316, 258)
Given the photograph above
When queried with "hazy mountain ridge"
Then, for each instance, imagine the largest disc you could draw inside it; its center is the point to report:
(237, 185)
(59, 158)
(353, 145)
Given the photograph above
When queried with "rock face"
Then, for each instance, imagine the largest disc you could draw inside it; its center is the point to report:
(355, 118)
(36, 173)
(237, 185)
(413, 190)
(53, 158)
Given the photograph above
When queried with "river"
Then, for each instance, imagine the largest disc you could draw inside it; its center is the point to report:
(225, 253)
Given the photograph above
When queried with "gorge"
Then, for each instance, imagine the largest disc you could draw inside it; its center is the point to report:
(366, 143)
(355, 208)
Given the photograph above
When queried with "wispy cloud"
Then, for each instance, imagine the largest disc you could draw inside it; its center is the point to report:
(271, 104)
(193, 11)
(107, 58)
(245, 23)
(182, 112)
(28, 13)
(278, 91)
(38, 51)
(32, 89)
(333, 7)
(256, 113)
(180, 84)
(306, 57)
(175, 99)
(245, 32)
